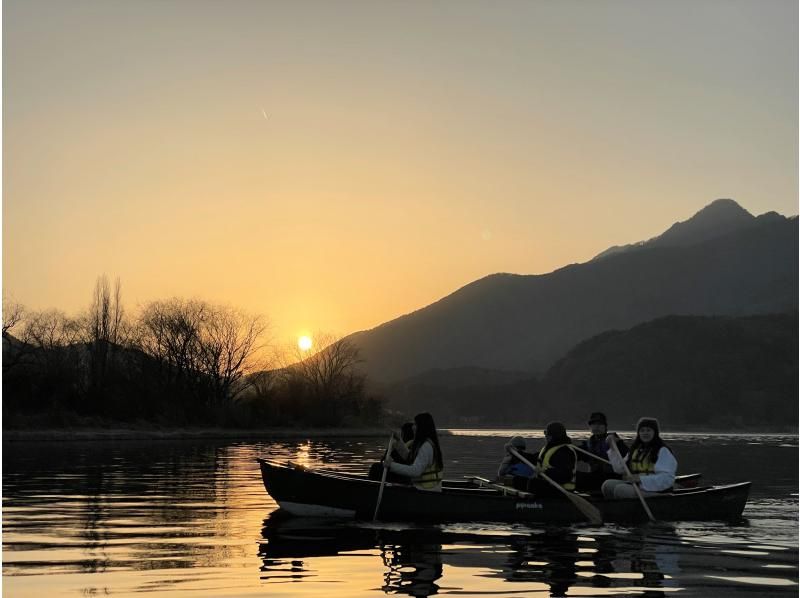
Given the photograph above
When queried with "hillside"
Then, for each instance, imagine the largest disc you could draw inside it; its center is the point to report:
(527, 322)
(710, 372)
(717, 372)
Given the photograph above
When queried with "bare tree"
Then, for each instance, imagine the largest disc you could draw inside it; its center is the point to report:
(106, 314)
(13, 314)
(328, 377)
(50, 330)
(169, 332)
(102, 332)
(16, 348)
(209, 348)
(53, 337)
(228, 340)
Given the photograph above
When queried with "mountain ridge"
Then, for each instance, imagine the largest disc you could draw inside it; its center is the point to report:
(525, 322)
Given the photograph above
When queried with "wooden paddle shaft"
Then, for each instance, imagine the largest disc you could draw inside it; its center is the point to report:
(591, 512)
(383, 479)
(634, 484)
(591, 454)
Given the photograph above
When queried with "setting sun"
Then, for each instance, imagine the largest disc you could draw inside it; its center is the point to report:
(304, 342)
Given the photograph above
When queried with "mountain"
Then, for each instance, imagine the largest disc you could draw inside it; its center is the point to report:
(462, 395)
(526, 322)
(718, 218)
(717, 372)
(710, 372)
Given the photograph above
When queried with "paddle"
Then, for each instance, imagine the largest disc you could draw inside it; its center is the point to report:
(634, 484)
(591, 512)
(484, 483)
(580, 450)
(383, 479)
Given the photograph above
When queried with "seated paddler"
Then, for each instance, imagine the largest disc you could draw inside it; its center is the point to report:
(556, 460)
(423, 467)
(651, 464)
(592, 470)
(512, 471)
(406, 438)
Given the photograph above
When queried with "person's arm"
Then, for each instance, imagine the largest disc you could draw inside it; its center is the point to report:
(401, 448)
(561, 465)
(584, 446)
(664, 475)
(617, 462)
(505, 465)
(623, 448)
(421, 462)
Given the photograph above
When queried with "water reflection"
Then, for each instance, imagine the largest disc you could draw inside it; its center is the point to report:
(186, 517)
(412, 569)
(549, 561)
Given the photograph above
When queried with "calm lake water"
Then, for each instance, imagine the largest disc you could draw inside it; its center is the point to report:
(192, 518)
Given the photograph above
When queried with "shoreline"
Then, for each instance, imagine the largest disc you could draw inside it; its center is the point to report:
(125, 434)
(210, 433)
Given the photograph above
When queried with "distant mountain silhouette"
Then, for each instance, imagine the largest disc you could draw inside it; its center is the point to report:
(710, 372)
(716, 372)
(456, 378)
(723, 261)
(459, 394)
(718, 218)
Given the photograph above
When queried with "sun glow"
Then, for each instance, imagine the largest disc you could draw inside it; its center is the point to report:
(304, 342)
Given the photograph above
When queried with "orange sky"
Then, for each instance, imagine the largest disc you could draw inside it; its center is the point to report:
(333, 165)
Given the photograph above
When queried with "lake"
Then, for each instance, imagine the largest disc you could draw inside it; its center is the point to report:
(192, 518)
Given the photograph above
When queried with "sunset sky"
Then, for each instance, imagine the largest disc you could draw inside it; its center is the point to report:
(333, 165)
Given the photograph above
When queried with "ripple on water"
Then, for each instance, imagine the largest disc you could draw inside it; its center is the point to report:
(192, 518)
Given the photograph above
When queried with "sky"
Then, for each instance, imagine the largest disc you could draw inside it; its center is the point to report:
(334, 165)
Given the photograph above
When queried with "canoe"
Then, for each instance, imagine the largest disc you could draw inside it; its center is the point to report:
(589, 483)
(306, 492)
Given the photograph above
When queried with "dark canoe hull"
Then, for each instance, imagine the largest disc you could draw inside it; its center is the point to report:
(304, 492)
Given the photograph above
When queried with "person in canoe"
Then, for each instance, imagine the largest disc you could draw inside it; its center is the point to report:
(406, 438)
(423, 467)
(512, 471)
(557, 460)
(651, 463)
(592, 472)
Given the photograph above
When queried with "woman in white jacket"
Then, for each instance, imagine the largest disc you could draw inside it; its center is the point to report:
(424, 468)
(651, 463)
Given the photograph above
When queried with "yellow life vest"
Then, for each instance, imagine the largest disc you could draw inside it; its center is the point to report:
(544, 460)
(431, 477)
(640, 462)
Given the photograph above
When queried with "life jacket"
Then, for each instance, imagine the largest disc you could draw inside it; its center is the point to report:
(520, 469)
(430, 478)
(597, 447)
(544, 459)
(642, 462)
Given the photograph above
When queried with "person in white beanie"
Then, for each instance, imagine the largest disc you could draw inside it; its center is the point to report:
(651, 463)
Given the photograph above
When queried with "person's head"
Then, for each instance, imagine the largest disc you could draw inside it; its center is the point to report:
(407, 431)
(516, 442)
(424, 430)
(598, 424)
(555, 433)
(647, 430)
(424, 427)
(648, 437)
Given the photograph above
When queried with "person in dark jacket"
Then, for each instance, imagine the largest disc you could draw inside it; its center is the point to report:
(593, 472)
(556, 460)
(512, 471)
